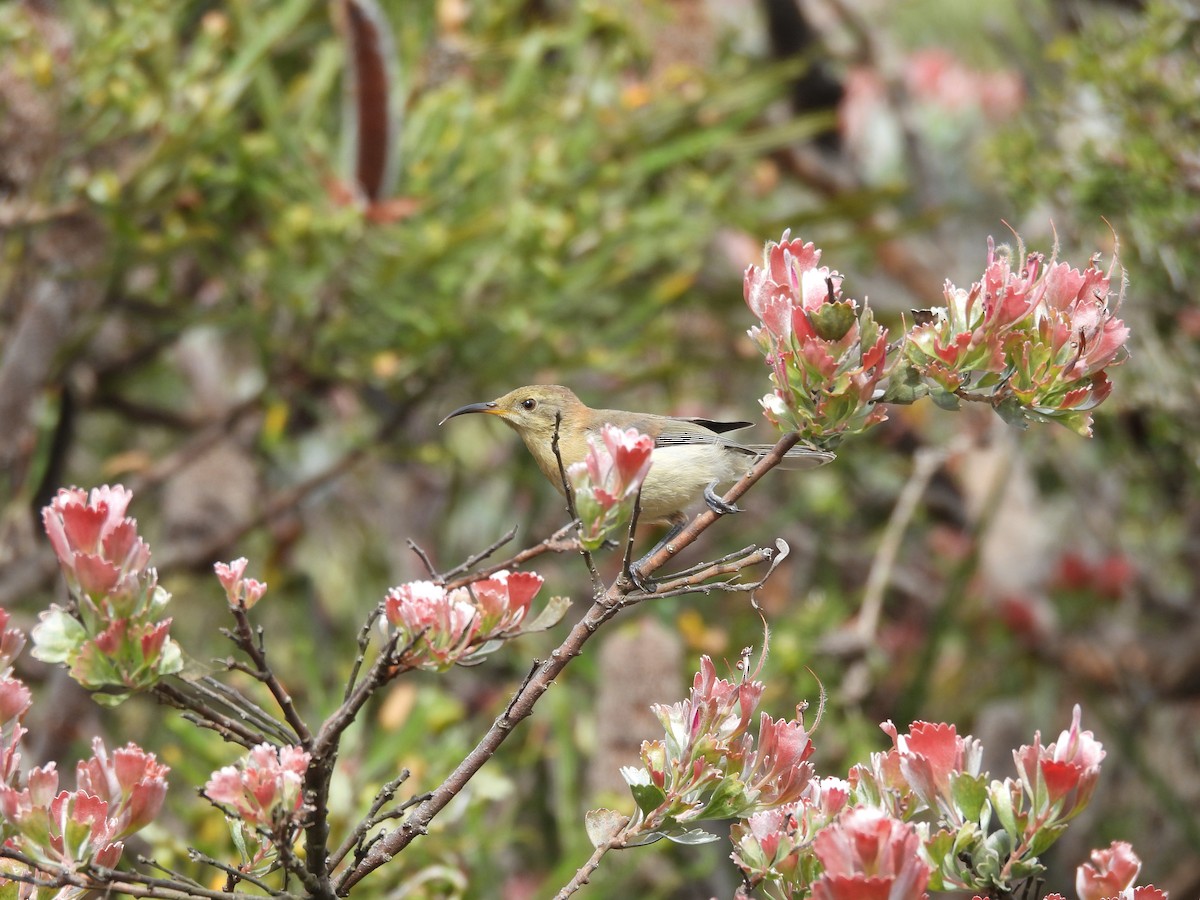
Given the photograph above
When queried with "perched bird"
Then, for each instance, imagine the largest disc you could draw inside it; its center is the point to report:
(691, 457)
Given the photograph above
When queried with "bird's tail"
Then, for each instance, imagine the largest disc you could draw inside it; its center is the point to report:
(798, 457)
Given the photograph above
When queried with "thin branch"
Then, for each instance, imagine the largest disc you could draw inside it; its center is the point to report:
(251, 643)
(471, 561)
(383, 797)
(585, 872)
(698, 525)
(110, 881)
(235, 701)
(926, 462)
(230, 871)
(203, 715)
(698, 580)
(364, 641)
(556, 543)
(424, 557)
(597, 581)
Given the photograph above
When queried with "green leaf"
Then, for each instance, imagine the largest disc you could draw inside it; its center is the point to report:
(648, 797)
(57, 637)
(969, 793)
(905, 386)
(1002, 804)
(944, 398)
(833, 320)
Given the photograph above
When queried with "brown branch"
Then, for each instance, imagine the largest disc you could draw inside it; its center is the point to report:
(251, 643)
(585, 872)
(205, 716)
(109, 881)
(556, 543)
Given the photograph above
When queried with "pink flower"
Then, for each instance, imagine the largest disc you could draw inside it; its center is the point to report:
(240, 591)
(67, 829)
(15, 699)
(867, 854)
(930, 756)
(778, 772)
(264, 787)
(131, 781)
(1109, 874)
(1060, 778)
(440, 625)
(1040, 335)
(12, 642)
(97, 546)
(503, 600)
(606, 483)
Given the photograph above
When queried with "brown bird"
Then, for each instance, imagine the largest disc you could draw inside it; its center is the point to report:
(691, 458)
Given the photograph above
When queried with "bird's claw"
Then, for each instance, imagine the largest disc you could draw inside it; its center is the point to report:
(717, 504)
(643, 583)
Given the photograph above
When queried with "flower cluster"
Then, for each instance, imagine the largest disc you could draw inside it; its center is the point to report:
(935, 772)
(1033, 341)
(113, 635)
(59, 830)
(707, 767)
(1109, 876)
(441, 628)
(606, 483)
(826, 354)
(919, 816)
(241, 592)
(263, 800)
(264, 789)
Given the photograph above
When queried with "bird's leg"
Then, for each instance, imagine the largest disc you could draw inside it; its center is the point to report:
(678, 521)
(717, 504)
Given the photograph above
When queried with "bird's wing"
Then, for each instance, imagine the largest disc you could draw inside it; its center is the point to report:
(718, 427)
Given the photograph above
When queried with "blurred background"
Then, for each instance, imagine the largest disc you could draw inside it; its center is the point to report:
(241, 277)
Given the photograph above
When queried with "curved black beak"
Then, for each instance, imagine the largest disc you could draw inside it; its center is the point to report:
(488, 406)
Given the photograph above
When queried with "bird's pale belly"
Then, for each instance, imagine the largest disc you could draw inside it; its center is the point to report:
(679, 475)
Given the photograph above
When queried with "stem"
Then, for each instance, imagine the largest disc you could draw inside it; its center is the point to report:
(584, 874)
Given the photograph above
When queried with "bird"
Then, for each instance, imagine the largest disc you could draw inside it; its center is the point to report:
(692, 457)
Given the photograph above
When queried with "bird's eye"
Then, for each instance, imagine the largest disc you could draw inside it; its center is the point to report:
(529, 404)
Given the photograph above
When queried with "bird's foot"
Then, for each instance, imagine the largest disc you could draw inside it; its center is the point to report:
(717, 504)
(645, 583)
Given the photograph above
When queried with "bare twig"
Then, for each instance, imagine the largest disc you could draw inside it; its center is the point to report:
(925, 464)
(383, 797)
(471, 561)
(250, 642)
(698, 580)
(364, 641)
(584, 874)
(202, 714)
(110, 882)
(556, 543)
(243, 706)
(230, 871)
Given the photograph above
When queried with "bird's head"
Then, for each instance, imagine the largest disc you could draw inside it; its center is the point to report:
(531, 411)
